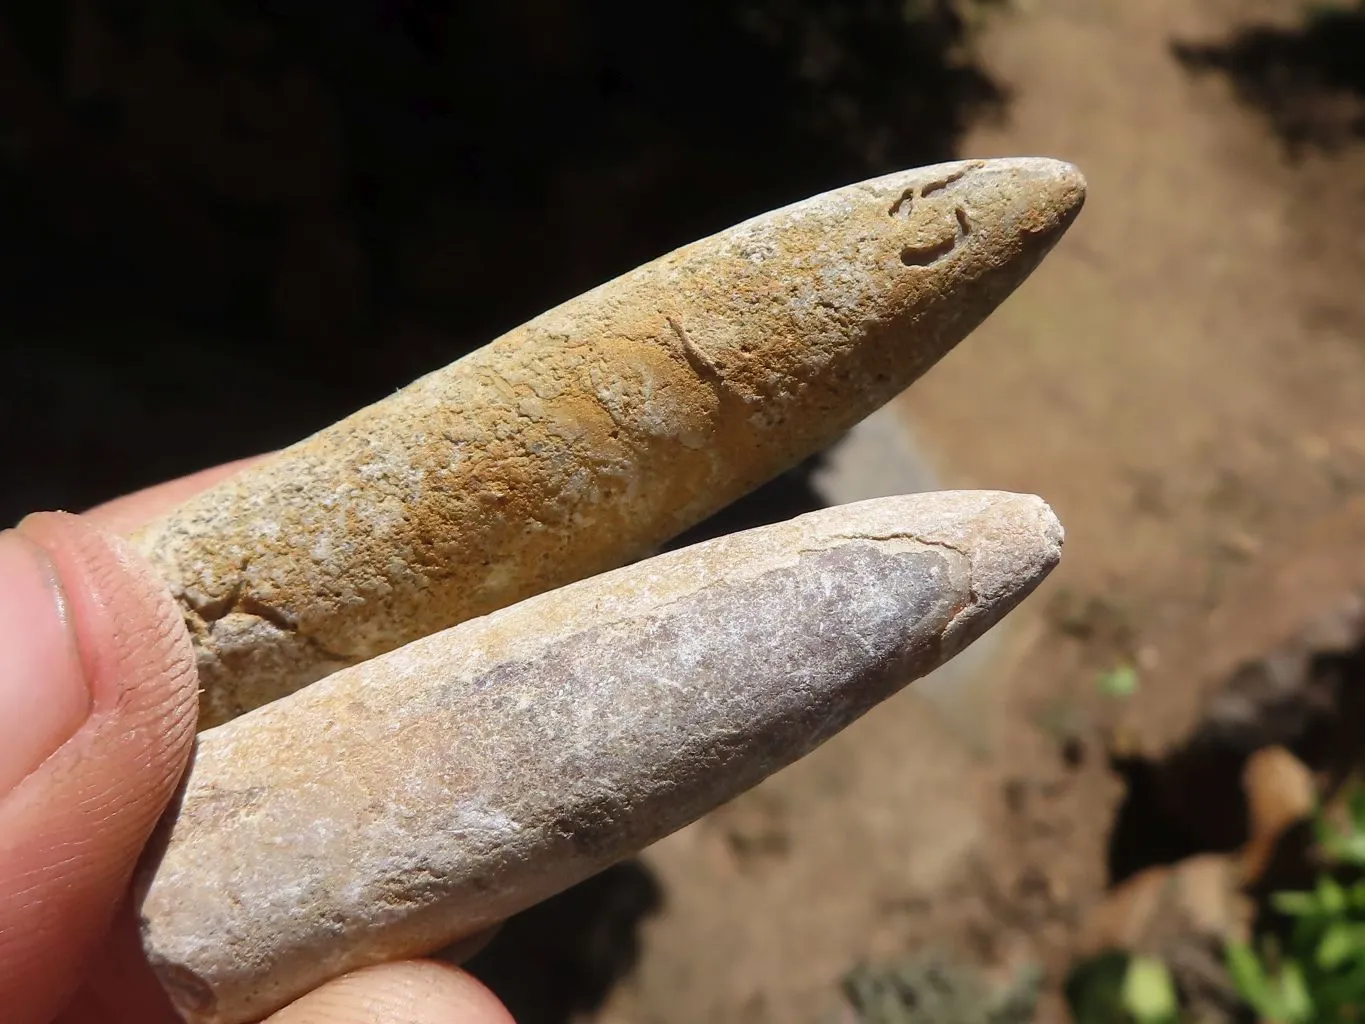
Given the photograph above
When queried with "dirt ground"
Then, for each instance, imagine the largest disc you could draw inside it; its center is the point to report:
(1184, 380)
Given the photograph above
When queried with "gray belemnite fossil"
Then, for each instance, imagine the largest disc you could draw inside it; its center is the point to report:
(597, 431)
(417, 798)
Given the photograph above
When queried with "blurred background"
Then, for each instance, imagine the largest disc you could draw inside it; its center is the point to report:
(225, 225)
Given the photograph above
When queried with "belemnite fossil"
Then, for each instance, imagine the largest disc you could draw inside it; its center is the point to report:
(595, 432)
(448, 767)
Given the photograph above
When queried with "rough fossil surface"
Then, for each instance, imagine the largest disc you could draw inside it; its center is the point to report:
(597, 431)
(420, 797)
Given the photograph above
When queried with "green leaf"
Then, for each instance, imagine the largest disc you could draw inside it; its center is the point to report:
(1351, 849)
(1121, 681)
(1295, 904)
(1331, 896)
(1335, 947)
(1294, 998)
(1344, 992)
(1148, 992)
(1094, 989)
(1356, 804)
(1305, 934)
(1248, 974)
(1346, 847)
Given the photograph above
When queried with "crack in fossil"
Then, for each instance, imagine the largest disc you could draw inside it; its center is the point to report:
(951, 179)
(277, 617)
(210, 609)
(205, 612)
(905, 203)
(925, 255)
(699, 360)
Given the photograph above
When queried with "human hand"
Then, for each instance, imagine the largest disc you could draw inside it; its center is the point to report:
(98, 703)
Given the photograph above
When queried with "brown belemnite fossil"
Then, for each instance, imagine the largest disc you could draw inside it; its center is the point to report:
(419, 797)
(597, 431)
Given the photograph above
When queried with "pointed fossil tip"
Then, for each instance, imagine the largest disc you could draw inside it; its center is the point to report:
(1037, 197)
(1065, 178)
(1002, 199)
(1059, 187)
(1014, 541)
(1011, 542)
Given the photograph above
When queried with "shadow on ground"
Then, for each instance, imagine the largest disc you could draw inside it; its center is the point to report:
(561, 958)
(1308, 81)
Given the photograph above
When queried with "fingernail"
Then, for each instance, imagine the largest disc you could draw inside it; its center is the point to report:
(43, 693)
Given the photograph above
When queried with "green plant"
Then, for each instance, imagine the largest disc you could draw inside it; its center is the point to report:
(1345, 845)
(1120, 681)
(1275, 987)
(1315, 971)
(1148, 992)
(1307, 969)
(1118, 988)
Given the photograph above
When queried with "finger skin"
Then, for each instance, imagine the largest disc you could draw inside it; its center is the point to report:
(120, 987)
(72, 830)
(416, 992)
(131, 512)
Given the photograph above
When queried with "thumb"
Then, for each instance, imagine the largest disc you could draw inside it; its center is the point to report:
(97, 716)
